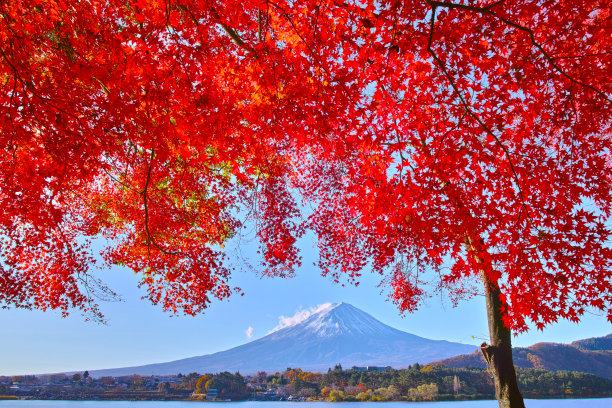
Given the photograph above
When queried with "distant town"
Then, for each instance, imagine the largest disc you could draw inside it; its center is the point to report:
(415, 383)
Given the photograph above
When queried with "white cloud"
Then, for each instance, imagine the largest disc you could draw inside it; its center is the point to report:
(299, 316)
(249, 332)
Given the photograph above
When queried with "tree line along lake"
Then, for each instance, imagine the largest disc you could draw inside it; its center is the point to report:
(544, 403)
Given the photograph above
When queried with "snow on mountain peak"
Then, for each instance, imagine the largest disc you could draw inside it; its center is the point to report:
(343, 319)
(302, 315)
(333, 319)
(314, 340)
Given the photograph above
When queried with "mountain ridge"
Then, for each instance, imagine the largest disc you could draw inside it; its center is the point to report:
(340, 333)
(592, 356)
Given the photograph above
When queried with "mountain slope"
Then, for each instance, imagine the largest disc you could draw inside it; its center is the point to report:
(593, 356)
(340, 333)
(594, 343)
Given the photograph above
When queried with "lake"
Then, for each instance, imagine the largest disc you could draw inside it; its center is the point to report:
(565, 403)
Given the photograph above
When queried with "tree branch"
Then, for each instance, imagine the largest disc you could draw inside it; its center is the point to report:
(231, 32)
(150, 239)
(487, 11)
(473, 114)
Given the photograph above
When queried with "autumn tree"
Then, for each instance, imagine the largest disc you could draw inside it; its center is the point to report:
(200, 387)
(455, 146)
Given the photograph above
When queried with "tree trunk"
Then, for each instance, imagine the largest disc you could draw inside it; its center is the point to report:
(499, 353)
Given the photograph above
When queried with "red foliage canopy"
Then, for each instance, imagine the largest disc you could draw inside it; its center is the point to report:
(474, 134)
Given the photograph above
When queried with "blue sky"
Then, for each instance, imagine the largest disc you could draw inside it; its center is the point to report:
(35, 342)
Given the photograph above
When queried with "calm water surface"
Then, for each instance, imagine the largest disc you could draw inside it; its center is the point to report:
(566, 403)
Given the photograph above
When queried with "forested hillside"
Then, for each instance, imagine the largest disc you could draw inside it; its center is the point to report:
(593, 356)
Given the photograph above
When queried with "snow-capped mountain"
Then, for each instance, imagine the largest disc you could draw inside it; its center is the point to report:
(339, 333)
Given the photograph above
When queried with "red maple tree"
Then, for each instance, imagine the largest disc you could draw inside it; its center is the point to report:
(474, 134)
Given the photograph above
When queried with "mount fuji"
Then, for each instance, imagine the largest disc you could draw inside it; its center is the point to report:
(338, 333)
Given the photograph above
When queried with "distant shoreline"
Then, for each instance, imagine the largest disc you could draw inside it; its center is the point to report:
(414, 384)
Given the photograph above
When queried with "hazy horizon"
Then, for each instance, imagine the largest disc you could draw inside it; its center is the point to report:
(138, 333)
